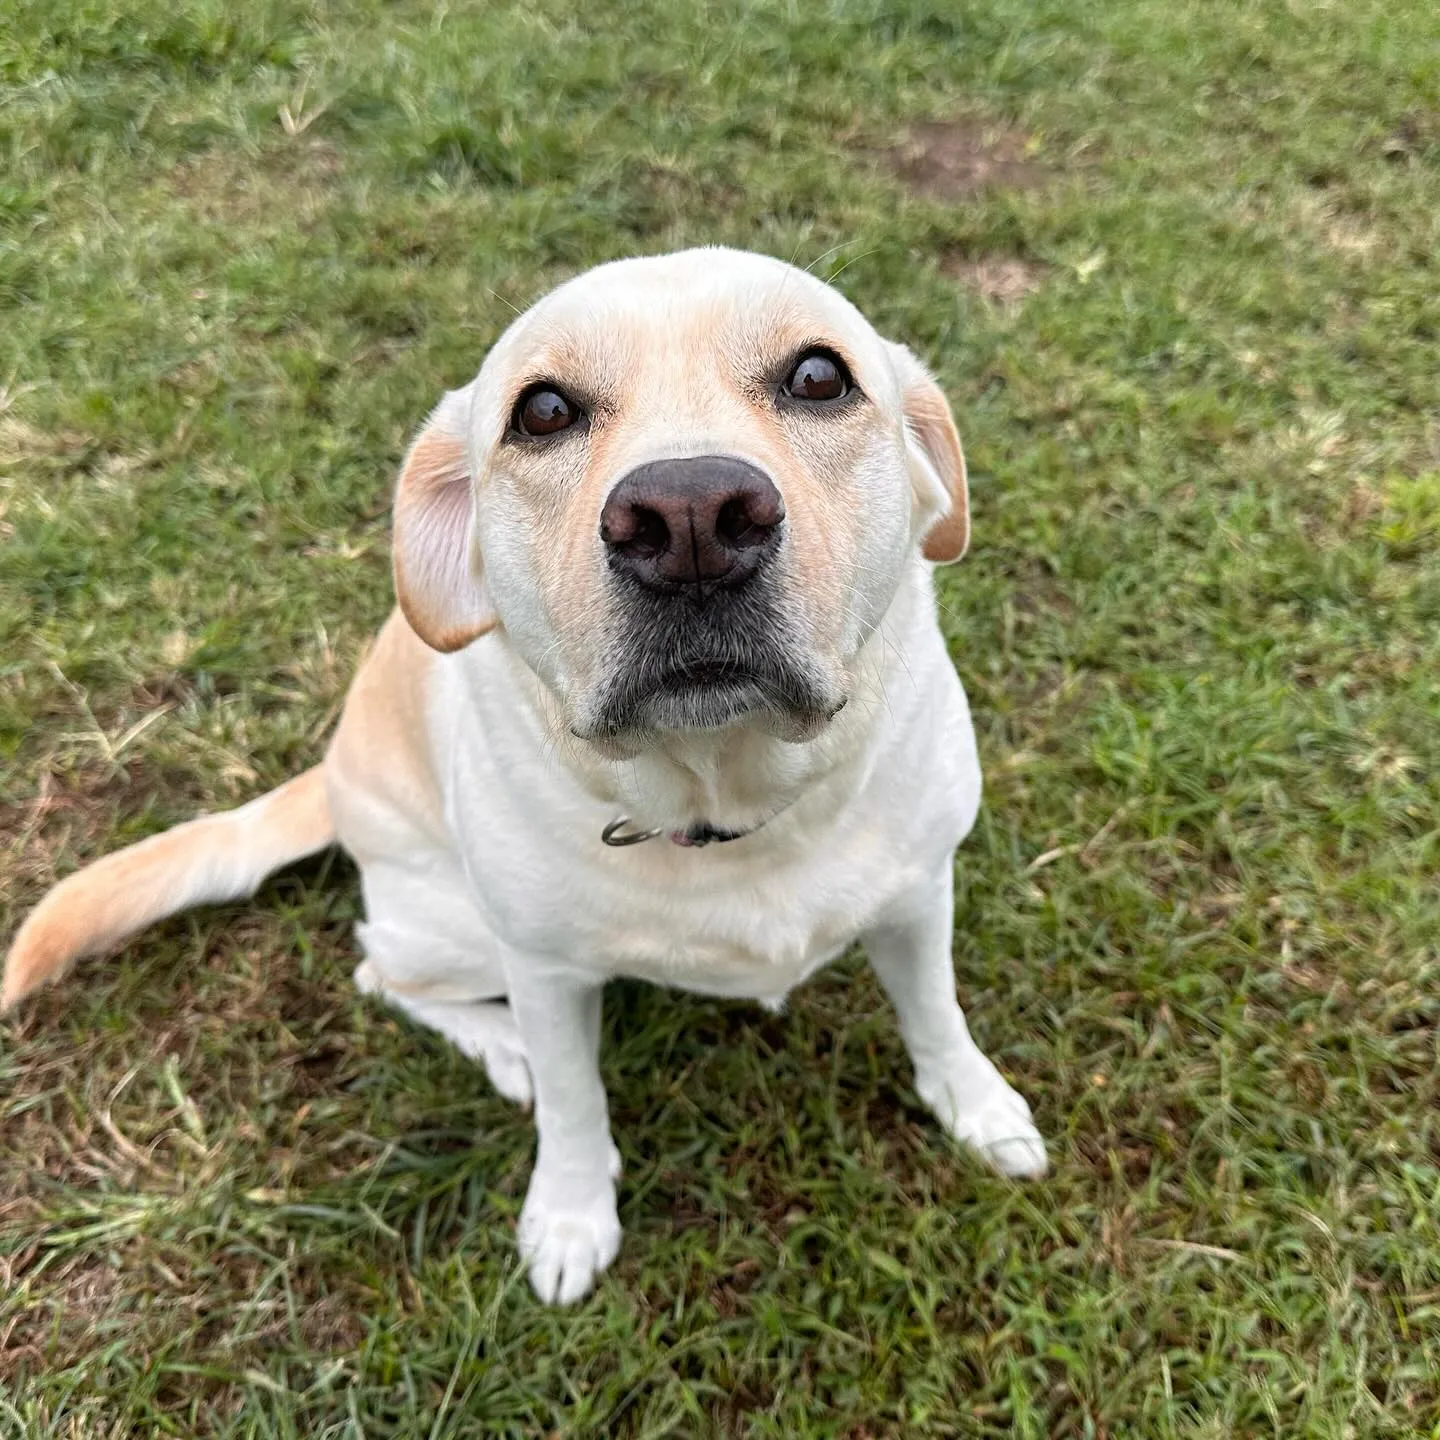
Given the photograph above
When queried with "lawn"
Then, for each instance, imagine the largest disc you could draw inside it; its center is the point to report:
(1176, 265)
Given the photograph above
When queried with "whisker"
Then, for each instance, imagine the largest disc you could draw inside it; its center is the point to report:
(834, 249)
(864, 256)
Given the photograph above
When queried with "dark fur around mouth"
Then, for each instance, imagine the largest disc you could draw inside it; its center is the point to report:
(686, 665)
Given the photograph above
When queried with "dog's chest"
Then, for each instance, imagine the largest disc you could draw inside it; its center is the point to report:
(749, 919)
(756, 930)
(753, 948)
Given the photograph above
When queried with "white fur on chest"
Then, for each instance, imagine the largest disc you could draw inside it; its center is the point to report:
(752, 918)
(753, 926)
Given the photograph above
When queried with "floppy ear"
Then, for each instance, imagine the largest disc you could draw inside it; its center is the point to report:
(937, 463)
(437, 566)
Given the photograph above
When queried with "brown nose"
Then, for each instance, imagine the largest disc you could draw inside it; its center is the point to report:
(706, 521)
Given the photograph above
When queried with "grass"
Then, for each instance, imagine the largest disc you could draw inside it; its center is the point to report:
(242, 250)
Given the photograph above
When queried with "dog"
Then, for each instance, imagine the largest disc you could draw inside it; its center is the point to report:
(665, 696)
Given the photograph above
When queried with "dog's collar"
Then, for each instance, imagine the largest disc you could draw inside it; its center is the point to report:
(617, 832)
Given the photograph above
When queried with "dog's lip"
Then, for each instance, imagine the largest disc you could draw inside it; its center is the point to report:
(713, 694)
(700, 673)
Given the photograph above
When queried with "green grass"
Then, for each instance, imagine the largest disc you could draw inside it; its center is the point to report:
(1200, 628)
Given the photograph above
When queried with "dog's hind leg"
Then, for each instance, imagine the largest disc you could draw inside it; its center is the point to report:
(428, 953)
(485, 1030)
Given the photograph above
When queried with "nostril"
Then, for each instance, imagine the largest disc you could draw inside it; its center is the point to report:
(634, 529)
(733, 523)
(749, 519)
(649, 534)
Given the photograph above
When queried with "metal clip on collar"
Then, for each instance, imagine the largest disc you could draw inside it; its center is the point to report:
(615, 833)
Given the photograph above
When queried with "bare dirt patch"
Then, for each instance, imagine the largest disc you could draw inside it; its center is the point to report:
(950, 159)
(1415, 135)
(289, 186)
(1342, 231)
(1002, 279)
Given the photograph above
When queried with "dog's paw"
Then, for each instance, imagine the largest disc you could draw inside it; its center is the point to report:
(566, 1245)
(488, 1033)
(981, 1110)
(509, 1072)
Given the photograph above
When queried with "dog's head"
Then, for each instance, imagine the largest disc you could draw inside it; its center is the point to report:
(688, 488)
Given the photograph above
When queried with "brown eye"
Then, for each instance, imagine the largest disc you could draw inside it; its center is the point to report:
(543, 411)
(818, 376)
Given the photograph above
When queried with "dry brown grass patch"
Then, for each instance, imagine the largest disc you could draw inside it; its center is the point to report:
(291, 186)
(950, 159)
(1002, 279)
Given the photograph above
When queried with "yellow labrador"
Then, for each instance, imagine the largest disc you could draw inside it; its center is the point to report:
(665, 697)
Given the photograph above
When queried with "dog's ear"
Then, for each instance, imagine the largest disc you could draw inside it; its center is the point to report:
(937, 463)
(437, 566)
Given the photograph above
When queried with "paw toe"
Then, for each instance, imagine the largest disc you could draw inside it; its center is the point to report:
(1018, 1155)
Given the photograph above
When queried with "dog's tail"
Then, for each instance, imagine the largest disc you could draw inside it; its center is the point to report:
(215, 857)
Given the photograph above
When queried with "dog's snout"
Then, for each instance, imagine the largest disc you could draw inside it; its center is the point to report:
(703, 521)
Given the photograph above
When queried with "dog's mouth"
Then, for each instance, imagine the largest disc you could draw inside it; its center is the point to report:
(709, 692)
(706, 675)
(704, 693)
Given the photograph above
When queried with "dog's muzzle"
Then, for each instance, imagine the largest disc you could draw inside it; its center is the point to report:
(701, 636)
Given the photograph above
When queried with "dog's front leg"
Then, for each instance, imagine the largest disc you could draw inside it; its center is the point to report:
(569, 1228)
(910, 950)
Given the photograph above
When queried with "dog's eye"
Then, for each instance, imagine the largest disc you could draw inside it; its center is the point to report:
(542, 410)
(818, 375)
